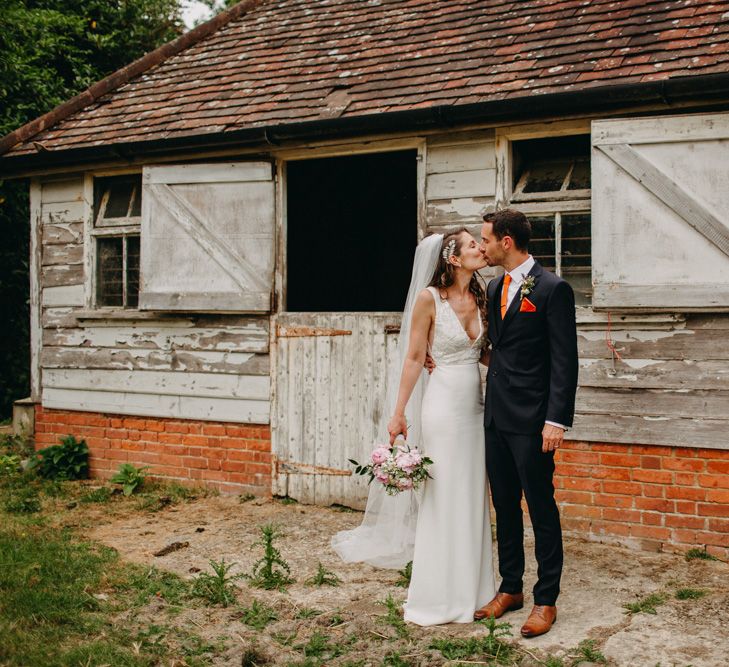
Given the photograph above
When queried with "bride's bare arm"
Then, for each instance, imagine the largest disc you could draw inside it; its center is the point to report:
(485, 356)
(423, 313)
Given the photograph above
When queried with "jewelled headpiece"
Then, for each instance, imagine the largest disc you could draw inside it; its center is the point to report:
(449, 249)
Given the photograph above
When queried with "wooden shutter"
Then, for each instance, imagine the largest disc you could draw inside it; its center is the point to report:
(207, 237)
(660, 224)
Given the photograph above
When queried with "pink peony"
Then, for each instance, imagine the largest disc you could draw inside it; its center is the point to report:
(380, 455)
(408, 461)
(405, 483)
(381, 475)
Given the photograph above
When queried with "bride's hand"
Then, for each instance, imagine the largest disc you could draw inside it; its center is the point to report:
(397, 426)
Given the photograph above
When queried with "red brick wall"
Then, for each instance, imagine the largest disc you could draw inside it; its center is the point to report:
(233, 458)
(656, 497)
(653, 497)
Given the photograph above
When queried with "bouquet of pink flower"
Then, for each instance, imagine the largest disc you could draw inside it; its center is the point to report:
(398, 467)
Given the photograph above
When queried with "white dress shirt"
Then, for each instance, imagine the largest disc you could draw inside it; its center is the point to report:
(517, 278)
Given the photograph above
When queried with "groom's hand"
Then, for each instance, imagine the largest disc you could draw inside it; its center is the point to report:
(551, 437)
(429, 363)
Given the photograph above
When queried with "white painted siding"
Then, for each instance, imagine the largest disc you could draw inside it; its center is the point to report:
(199, 367)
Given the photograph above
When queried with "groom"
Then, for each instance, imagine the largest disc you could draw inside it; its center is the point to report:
(530, 400)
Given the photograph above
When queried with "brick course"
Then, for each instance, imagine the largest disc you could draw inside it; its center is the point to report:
(229, 457)
(657, 498)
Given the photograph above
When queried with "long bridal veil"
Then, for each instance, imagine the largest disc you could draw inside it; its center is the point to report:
(386, 536)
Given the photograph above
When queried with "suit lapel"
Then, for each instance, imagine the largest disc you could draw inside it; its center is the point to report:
(515, 304)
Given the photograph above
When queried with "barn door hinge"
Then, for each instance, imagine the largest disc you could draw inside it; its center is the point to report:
(292, 467)
(304, 332)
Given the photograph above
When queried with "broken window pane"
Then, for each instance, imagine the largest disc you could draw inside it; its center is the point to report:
(132, 271)
(580, 178)
(546, 176)
(541, 245)
(110, 272)
(118, 197)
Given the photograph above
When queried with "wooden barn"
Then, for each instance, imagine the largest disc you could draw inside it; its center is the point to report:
(222, 235)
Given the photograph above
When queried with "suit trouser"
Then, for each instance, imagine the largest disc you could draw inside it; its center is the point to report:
(515, 463)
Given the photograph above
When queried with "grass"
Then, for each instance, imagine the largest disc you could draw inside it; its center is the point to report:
(689, 594)
(258, 615)
(53, 611)
(217, 588)
(646, 605)
(323, 577)
(405, 575)
(699, 554)
(270, 571)
(492, 646)
(393, 617)
(587, 652)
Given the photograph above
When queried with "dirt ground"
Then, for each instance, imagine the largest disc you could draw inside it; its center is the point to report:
(598, 580)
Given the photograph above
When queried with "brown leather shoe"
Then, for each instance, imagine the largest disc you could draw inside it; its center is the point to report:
(540, 621)
(502, 603)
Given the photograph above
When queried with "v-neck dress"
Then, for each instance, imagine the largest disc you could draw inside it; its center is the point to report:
(453, 572)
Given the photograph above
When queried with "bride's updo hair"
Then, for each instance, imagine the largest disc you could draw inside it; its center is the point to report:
(445, 273)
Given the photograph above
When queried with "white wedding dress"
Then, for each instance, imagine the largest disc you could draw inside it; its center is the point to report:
(453, 572)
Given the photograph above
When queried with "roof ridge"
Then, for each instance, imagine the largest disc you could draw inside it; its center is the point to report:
(124, 75)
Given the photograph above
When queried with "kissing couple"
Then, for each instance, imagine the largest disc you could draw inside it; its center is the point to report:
(523, 328)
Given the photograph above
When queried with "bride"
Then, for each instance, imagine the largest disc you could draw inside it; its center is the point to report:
(445, 530)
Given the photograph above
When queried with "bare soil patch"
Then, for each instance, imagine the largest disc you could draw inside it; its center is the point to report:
(598, 580)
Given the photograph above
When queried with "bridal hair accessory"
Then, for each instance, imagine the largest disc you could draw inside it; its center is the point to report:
(449, 249)
(398, 467)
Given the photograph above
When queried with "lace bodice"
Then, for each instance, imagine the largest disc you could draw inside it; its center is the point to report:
(451, 344)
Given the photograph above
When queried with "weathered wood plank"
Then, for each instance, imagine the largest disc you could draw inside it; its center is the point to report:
(654, 374)
(676, 344)
(465, 157)
(58, 317)
(688, 127)
(475, 183)
(62, 191)
(464, 137)
(67, 253)
(68, 232)
(35, 295)
(665, 297)
(63, 295)
(169, 383)
(157, 336)
(158, 405)
(240, 172)
(692, 404)
(62, 274)
(238, 363)
(628, 429)
(63, 212)
(464, 211)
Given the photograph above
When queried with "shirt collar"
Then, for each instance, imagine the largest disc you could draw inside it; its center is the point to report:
(517, 274)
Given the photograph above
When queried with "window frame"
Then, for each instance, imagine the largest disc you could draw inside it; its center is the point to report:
(98, 227)
(556, 202)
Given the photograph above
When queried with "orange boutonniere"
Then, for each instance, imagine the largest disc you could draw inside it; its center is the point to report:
(527, 306)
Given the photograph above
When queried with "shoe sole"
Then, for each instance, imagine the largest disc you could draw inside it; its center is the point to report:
(506, 611)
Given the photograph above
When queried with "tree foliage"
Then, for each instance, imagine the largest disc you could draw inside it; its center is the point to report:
(51, 50)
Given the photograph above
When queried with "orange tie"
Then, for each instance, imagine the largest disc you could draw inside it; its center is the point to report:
(505, 295)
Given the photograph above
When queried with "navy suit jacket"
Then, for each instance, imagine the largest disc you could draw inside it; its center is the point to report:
(532, 374)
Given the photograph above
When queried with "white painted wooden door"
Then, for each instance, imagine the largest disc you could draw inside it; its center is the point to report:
(329, 397)
(660, 224)
(207, 238)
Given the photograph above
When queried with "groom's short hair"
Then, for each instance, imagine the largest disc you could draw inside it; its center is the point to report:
(513, 223)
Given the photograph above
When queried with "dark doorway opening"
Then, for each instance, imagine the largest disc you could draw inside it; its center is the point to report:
(351, 232)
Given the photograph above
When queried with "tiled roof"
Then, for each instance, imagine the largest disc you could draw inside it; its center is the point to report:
(291, 61)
